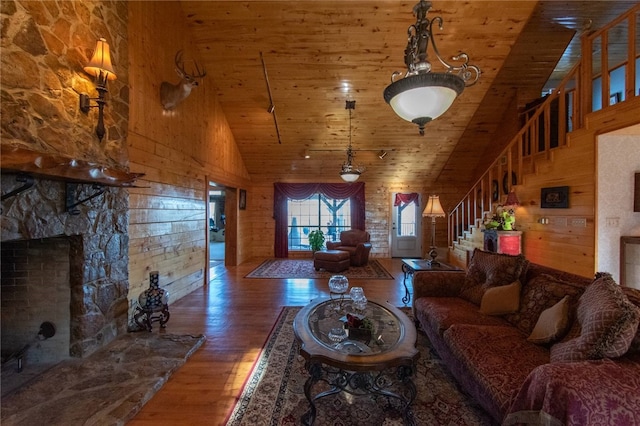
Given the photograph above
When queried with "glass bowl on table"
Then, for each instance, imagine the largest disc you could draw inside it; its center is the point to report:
(338, 284)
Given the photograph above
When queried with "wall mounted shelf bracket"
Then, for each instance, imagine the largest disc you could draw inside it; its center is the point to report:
(71, 200)
(26, 180)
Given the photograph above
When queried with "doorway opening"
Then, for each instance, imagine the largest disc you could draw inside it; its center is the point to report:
(217, 225)
(406, 225)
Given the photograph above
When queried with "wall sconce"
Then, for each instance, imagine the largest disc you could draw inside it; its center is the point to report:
(382, 154)
(100, 67)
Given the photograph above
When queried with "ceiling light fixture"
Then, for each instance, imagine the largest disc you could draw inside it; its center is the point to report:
(422, 95)
(350, 172)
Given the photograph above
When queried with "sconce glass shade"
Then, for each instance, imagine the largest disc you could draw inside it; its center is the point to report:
(434, 208)
(100, 63)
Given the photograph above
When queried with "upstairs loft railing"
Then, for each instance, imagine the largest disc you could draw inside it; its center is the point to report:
(607, 74)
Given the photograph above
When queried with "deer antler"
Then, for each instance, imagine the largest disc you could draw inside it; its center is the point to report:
(181, 71)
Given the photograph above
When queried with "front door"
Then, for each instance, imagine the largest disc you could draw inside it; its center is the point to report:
(405, 226)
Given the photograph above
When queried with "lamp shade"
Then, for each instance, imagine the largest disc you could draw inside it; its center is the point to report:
(512, 199)
(101, 62)
(433, 208)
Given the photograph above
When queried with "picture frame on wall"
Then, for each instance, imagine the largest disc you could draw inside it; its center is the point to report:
(242, 200)
(636, 193)
(556, 197)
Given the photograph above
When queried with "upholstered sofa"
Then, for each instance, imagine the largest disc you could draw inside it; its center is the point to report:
(535, 345)
(356, 242)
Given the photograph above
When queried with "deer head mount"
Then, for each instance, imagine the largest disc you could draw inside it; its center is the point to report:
(172, 94)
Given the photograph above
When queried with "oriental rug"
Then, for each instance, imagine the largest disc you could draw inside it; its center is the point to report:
(273, 393)
(303, 268)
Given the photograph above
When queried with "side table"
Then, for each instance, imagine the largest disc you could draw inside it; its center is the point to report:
(411, 266)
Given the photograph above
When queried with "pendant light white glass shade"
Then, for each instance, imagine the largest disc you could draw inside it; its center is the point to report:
(422, 95)
(421, 98)
(349, 175)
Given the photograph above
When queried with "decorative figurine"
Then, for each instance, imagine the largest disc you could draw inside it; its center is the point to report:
(153, 304)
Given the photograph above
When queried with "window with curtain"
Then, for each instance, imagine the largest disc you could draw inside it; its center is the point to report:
(319, 211)
(407, 205)
(351, 194)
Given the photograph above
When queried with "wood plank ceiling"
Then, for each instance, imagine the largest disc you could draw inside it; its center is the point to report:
(318, 54)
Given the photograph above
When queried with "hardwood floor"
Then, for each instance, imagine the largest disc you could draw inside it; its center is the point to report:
(236, 315)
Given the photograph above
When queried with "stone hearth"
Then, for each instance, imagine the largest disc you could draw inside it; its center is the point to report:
(97, 239)
(107, 388)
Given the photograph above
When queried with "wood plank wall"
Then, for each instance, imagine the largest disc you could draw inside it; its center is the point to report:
(563, 243)
(179, 152)
(182, 151)
(377, 220)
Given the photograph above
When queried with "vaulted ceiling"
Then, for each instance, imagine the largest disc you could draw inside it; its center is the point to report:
(315, 55)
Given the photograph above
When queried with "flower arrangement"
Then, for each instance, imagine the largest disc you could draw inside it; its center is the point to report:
(502, 220)
(353, 321)
(359, 328)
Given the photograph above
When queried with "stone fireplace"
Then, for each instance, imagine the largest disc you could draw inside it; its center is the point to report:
(67, 269)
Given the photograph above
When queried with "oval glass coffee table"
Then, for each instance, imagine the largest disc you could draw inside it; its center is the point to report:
(378, 360)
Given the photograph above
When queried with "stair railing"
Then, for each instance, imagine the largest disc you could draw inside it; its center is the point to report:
(546, 127)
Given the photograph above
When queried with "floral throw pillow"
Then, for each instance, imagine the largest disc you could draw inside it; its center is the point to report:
(608, 324)
(634, 297)
(486, 270)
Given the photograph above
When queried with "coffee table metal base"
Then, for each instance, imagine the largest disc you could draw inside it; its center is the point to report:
(394, 384)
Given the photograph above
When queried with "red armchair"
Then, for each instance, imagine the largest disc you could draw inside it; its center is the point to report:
(355, 242)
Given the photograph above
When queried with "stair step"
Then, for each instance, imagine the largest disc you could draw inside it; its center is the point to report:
(458, 257)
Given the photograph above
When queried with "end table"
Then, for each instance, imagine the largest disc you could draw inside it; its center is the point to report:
(411, 266)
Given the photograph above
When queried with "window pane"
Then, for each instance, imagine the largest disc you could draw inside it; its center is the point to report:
(303, 218)
(617, 85)
(407, 220)
(317, 212)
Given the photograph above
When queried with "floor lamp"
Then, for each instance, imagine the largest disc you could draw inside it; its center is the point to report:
(433, 210)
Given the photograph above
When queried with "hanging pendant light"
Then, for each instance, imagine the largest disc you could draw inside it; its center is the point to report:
(350, 172)
(422, 95)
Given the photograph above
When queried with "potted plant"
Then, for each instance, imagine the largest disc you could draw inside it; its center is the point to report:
(316, 240)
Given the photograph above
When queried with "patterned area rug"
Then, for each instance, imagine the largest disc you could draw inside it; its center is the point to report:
(273, 393)
(303, 268)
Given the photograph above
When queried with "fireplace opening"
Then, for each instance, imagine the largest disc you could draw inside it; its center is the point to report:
(36, 315)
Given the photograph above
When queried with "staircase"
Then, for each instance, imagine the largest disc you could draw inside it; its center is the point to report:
(548, 132)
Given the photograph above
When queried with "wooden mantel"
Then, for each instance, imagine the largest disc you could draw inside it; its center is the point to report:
(58, 167)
